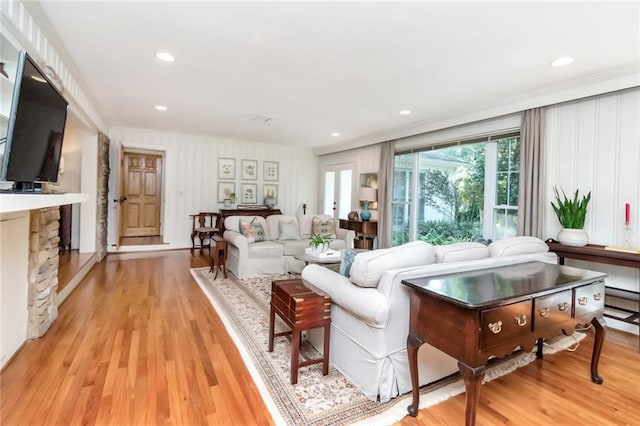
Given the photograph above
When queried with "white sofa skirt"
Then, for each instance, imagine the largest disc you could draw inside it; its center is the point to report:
(375, 372)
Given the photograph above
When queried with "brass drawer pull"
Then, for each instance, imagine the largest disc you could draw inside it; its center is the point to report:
(544, 312)
(521, 320)
(563, 306)
(597, 296)
(583, 301)
(495, 327)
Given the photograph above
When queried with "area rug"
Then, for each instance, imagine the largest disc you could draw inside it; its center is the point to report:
(243, 306)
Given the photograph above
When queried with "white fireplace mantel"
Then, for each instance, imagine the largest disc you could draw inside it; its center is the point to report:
(18, 202)
(14, 263)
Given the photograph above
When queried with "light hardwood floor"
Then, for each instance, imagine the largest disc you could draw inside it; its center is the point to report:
(137, 343)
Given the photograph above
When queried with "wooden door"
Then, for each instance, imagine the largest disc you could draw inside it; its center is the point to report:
(142, 197)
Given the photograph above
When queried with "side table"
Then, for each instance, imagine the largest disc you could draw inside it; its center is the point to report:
(302, 307)
(218, 253)
(366, 232)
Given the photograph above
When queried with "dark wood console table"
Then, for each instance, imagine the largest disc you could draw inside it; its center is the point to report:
(366, 231)
(476, 315)
(598, 254)
(224, 213)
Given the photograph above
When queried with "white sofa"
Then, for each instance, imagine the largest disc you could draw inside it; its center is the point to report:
(370, 310)
(274, 255)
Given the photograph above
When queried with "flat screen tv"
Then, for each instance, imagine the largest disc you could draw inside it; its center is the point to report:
(35, 130)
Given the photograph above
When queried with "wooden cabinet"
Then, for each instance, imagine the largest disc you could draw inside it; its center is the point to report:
(366, 231)
(476, 316)
(224, 213)
(64, 232)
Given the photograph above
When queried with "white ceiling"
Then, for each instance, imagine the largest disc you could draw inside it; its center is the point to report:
(317, 67)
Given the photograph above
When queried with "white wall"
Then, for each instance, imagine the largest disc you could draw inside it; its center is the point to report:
(14, 259)
(594, 145)
(89, 185)
(191, 175)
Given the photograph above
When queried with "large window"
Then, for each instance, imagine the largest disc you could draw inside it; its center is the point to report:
(462, 192)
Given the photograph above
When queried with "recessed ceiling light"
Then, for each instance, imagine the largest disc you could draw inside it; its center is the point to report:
(335, 134)
(165, 56)
(161, 107)
(405, 112)
(560, 62)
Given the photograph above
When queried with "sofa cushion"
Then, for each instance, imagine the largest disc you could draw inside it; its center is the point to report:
(459, 252)
(252, 230)
(265, 250)
(293, 247)
(517, 245)
(289, 230)
(323, 227)
(348, 256)
(369, 266)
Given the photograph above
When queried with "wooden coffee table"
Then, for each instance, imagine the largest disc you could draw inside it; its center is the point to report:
(302, 307)
(476, 315)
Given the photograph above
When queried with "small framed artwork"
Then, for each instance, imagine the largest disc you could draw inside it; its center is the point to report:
(249, 193)
(270, 191)
(225, 189)
(249, 169)
(226, 168)
(270, 171)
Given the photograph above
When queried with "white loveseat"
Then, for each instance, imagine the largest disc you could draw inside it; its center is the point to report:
(274, 255)
(370, 310)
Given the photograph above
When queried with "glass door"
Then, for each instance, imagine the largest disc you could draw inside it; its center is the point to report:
(337, 190)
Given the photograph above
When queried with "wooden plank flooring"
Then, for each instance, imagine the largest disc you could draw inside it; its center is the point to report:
(137, 343)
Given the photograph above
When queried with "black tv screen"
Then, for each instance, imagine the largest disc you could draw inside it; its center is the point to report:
(36, 127)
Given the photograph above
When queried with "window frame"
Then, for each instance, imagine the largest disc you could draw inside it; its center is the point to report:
(491, 207)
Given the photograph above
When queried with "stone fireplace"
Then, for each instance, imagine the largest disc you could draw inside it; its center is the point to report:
(43, 270)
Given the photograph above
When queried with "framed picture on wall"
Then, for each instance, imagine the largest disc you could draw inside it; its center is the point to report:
(270, 171)
(249, 169)
(270, 190)
(249, 193)
(225, 189)
(226, 168)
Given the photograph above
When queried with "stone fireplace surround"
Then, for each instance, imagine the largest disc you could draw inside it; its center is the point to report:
(42, 270)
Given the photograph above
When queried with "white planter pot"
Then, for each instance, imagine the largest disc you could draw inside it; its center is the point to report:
(573, 237)
(320, 249)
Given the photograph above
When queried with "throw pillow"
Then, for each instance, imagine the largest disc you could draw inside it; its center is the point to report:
(289, 230)
(327, 228)
(348, 256)
(253, 230)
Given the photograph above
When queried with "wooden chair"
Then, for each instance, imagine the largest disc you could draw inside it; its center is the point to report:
(204, 226)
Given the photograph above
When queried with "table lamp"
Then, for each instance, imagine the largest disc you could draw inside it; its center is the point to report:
(367, 195)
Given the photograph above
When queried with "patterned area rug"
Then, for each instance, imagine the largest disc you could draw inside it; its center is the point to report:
(243, 306)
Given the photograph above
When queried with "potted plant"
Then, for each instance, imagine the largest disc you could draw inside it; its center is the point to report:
(319, 242)
(232, 197)
(571, 214)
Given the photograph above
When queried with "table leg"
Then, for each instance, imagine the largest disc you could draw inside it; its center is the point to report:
(600, 326)
(472, 383)
(216, 257)
(325, 361)
(413, 344)
(539, 353)
(295, 355)
(272, 320)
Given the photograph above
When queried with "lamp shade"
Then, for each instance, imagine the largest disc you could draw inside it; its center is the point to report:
(368, 194)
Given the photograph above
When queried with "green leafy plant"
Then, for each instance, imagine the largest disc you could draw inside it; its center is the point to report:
(318, 240)
(232, 197)
(571, 212)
